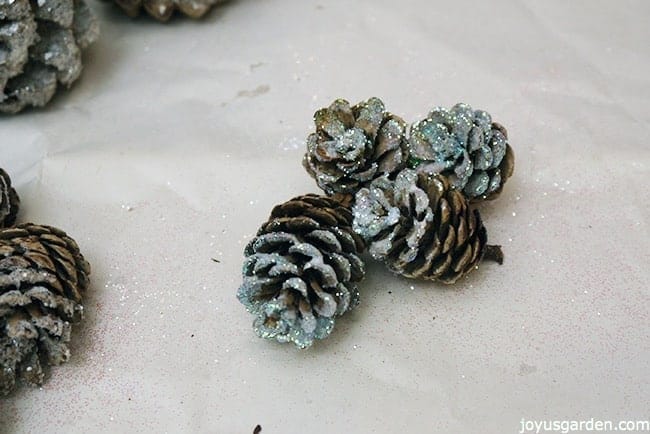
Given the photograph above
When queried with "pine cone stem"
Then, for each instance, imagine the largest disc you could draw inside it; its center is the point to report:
(493, 253)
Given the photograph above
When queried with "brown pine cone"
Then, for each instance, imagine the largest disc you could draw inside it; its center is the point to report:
(162, 10)
(9, 201)
(354, 145)
(421, 228)
(301, 268)
(42, 278)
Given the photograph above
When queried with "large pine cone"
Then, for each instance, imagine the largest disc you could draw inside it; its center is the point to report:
(42, 278)
(162, 10)
(40, 45)
(466, 146)
(420, 227)
(9, 201)
(354, 145)
(300, 270)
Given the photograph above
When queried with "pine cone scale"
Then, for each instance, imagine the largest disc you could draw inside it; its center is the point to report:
(9, 200)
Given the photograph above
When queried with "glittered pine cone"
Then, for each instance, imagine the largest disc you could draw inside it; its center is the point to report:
(162, 10)
(421, 228)
(467, 147)
(40, 46)
(301, 268)
(9, 201)
(42, 279)
(354, 145)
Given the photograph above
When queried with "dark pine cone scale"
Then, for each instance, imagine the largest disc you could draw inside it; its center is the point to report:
(162, 10)
(9, 201)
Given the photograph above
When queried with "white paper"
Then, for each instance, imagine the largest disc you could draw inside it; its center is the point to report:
(180, 138)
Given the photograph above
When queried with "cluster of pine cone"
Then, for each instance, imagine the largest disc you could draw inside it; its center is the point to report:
(42, 279)
(403, 194)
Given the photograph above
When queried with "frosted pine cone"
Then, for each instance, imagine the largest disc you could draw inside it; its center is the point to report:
(162, 10)
(354, 145)
(40, 46)
(9, 201)
(420, 227)
(300, 270)
(42, 278)
(466, 146)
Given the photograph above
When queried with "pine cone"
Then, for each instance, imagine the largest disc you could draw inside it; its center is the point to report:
(9, 201)
(420, 227)
(467, 147)
(40, 45)
(42, 278)
(162, 10)
(352, 146)
(300, 270)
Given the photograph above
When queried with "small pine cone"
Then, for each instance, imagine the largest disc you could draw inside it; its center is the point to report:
(354, 145)
(467, 147)
(420, 227)
(300, 270)
(9, 201)
(42, 278)
(162, 10)
(40, 46)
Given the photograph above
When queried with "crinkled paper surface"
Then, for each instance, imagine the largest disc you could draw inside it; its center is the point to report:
(178, 140)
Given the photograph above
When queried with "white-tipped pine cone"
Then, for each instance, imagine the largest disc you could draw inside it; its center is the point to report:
(40, 46)
(42, 279)
(300, 270)
(354, 145)
(466, 146)
(420, 227)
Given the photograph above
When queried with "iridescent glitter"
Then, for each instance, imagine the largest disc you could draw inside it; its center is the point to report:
(40, 46)
(465, 145)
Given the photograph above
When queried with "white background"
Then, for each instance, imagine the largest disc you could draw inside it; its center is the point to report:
(180, 138)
